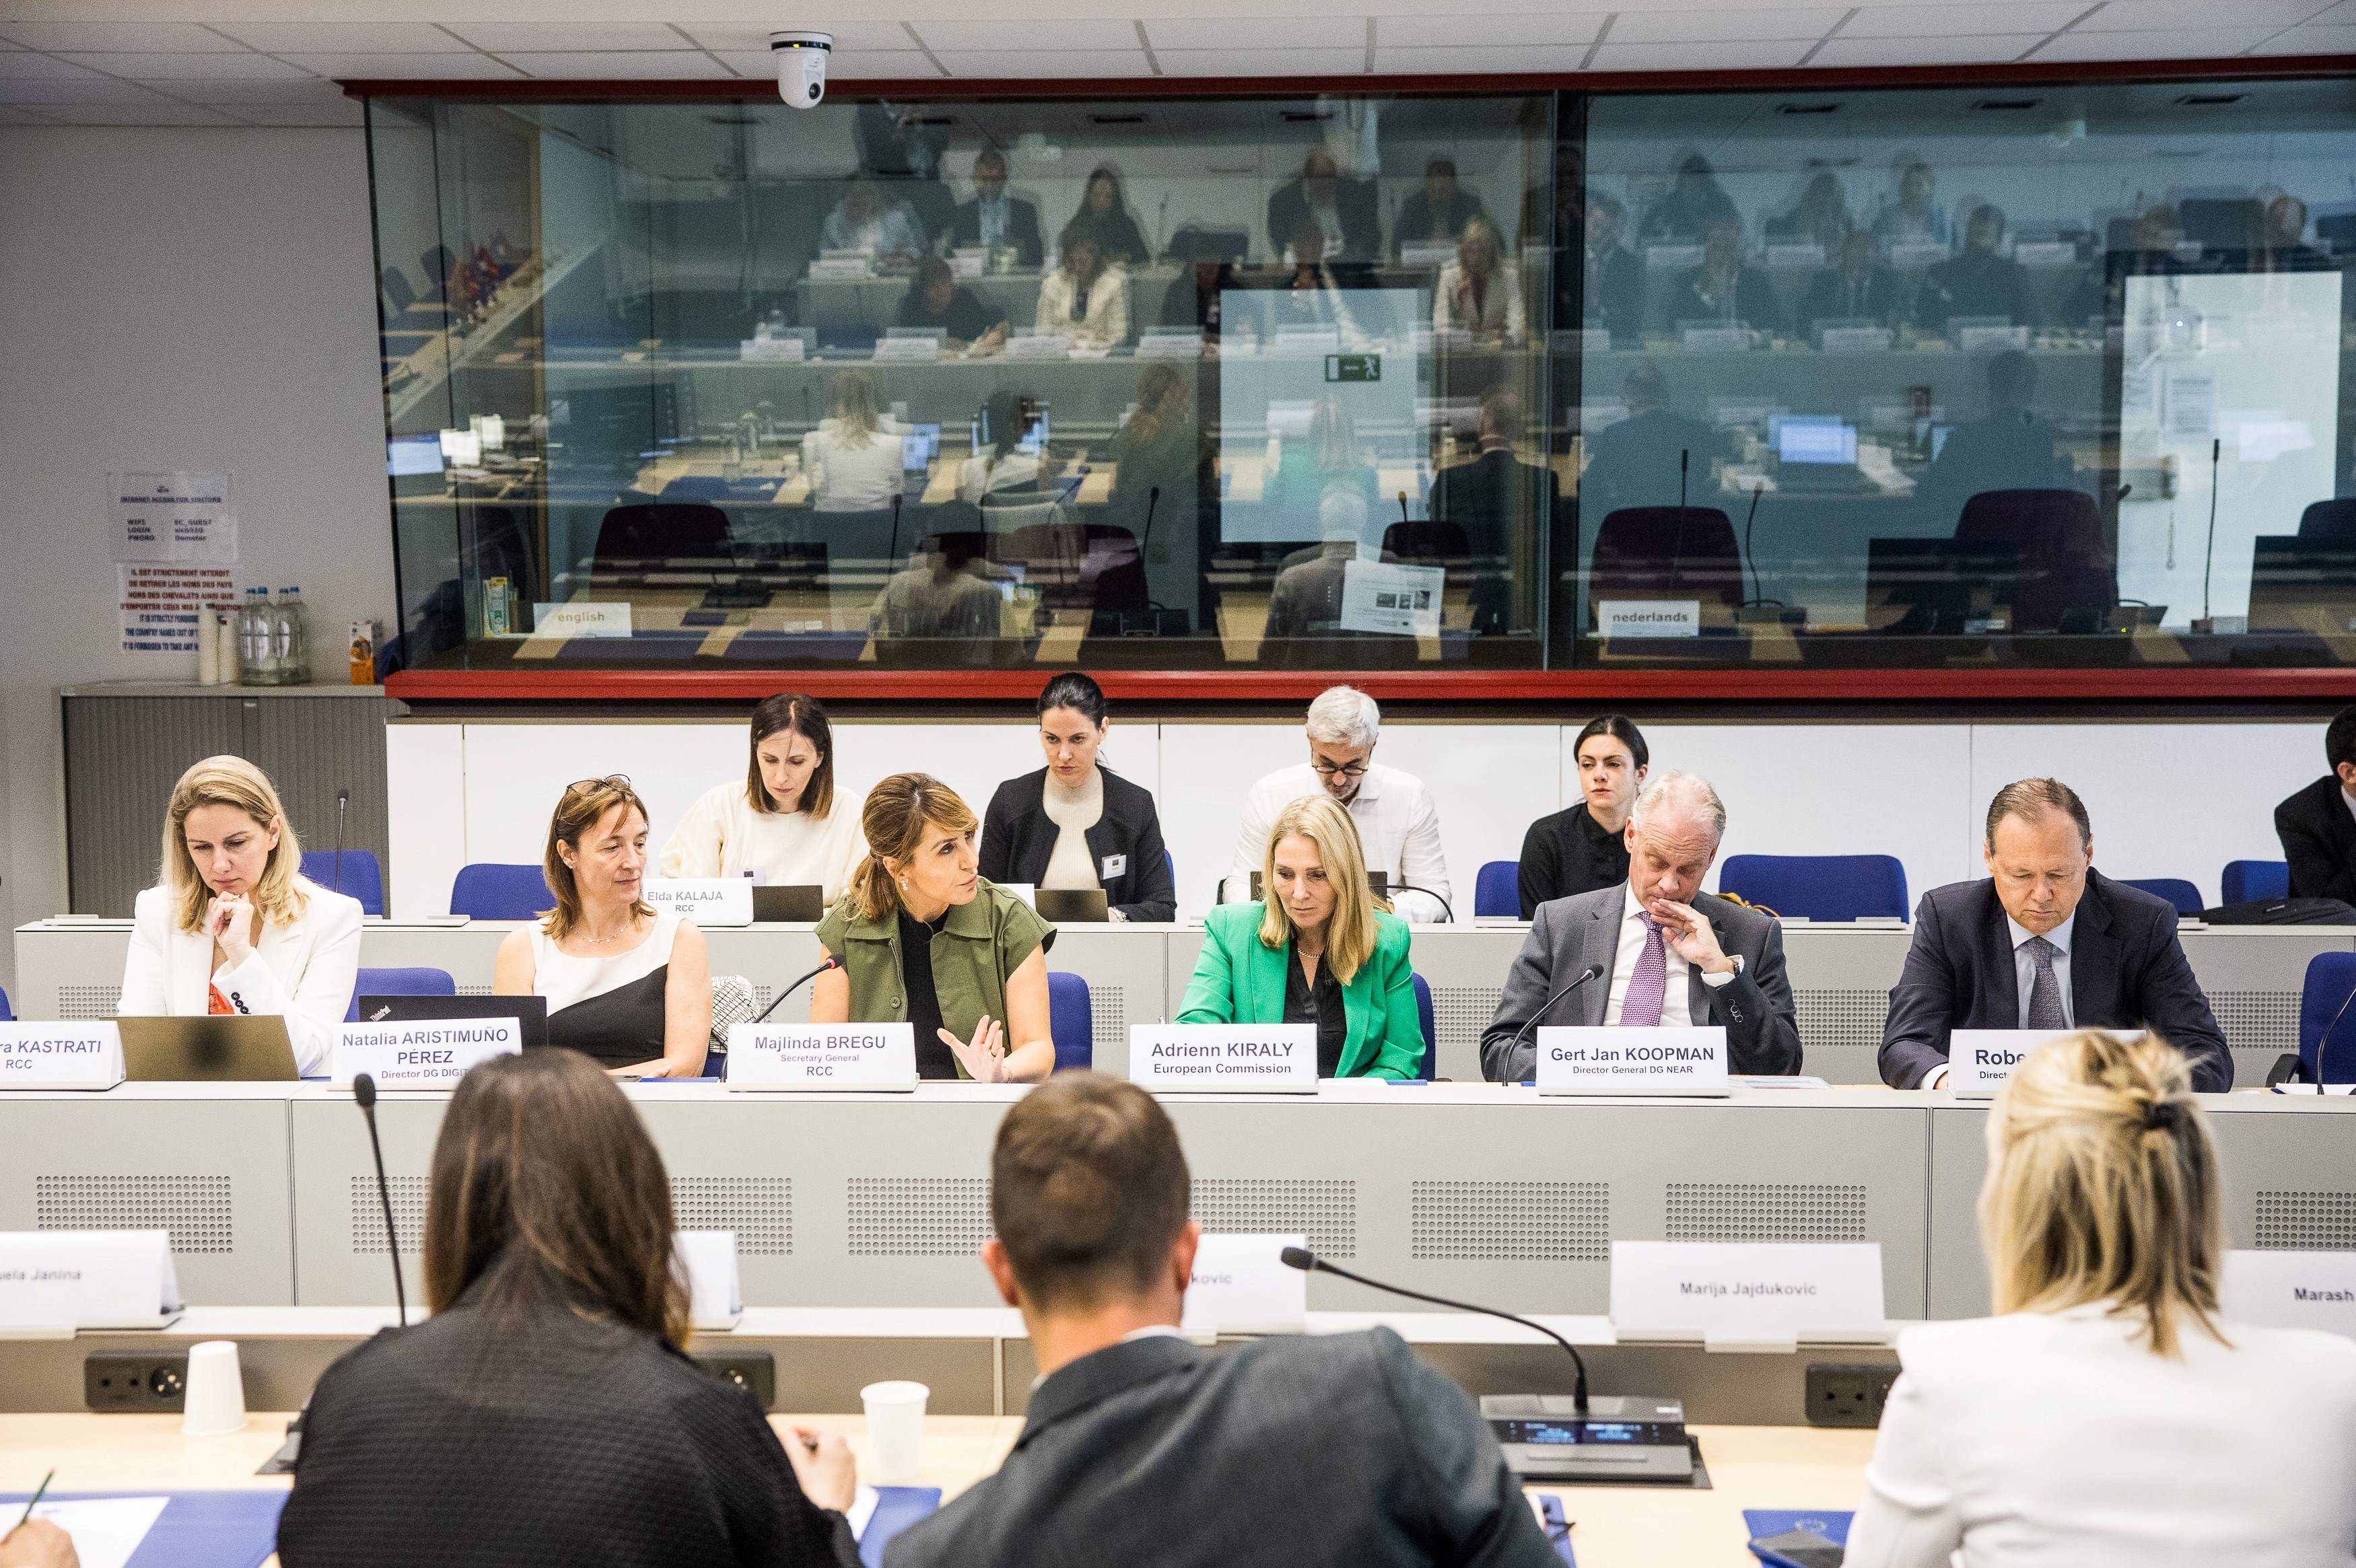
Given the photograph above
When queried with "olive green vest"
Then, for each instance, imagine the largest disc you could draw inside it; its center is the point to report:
(976, 947)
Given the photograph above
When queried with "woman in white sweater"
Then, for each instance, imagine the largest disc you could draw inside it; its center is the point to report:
(852, 458)
(232, 927)
(781, 826)
(2107, 1416)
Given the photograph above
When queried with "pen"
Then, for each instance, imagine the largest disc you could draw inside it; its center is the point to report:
(34, 1503)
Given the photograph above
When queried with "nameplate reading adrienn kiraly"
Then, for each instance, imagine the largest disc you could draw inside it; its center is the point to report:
(822, 1056)
(1251, 1059)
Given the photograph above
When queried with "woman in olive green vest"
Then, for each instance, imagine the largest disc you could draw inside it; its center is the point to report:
(1314, 950)
(925, 940)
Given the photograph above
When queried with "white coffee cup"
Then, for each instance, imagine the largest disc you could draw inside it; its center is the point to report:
(215, 1405)
(895, 1429)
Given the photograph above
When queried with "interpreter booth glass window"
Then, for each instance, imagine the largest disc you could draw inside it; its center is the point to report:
(1973, 376)
(1187, 384)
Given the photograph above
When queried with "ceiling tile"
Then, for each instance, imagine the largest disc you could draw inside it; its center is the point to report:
(1510, 29)
(239, 67)
(1395, 60)
(13, 116)
(345, 37)
(2336, 39)
(402, 68)
(1242, 35)
(136, 38)
(1939, 21)
(526, 37)
(848, 64)
(1052, 39)
(754, 37)
(163, 112)
(1032, 64)
(633, 65)
(302, 90)
(2179, 44)
(348, 113)
(1697, 56)
(1991, 49)
(2160, 16)
(18, 67)
(1264, 62)
(80, 89)
(1725, 27)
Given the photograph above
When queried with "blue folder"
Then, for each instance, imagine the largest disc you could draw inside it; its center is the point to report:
(1832, 1524)
(195, 1530)
(896, 1508)
(1558, 1528)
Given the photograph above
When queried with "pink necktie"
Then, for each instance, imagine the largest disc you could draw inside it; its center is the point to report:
(1641, 1008)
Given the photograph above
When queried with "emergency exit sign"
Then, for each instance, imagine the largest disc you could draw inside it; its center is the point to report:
(1354, 367)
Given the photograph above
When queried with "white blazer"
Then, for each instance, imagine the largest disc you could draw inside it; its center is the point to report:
(304, 973)
(2054, 1438)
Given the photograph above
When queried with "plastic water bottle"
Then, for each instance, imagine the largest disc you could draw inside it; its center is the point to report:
(257, 663)
(290, 630)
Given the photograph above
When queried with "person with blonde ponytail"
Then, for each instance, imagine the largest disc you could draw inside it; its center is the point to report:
(233, 925)
(925, 939)
(2108, 1416)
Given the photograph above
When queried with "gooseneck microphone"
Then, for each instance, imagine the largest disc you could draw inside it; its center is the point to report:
(1749, 564)
(892, 554)
(364, 1095)
(832, 962)
(1589, 973)
(343, 803)
(1308, 1261)
(2209, 557)
(1685, 458)
(1145, 545)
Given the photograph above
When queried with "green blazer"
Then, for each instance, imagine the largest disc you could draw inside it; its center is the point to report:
(978, 947)
(1238, 980)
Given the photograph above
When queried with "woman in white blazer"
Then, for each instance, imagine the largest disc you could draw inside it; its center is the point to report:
(2108, 1416)
(1085, 296)
(232, 927)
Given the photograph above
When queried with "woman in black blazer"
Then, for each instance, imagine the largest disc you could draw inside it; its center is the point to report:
(1075, 823)
(545, 1415)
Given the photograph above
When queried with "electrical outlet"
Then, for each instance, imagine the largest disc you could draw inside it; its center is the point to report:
(754, 1371)
(113, 1381)
(1847, 1395)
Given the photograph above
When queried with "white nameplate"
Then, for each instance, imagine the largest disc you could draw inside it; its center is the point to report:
(1428, 254)
(60, 1056)
(772, 350)
(707, 901)
(1240, 1285)
(1648, 617)
(1736, 1293)
(1657, 256)
(1040, 346)
(1978, 339)
(420, 1053)
(1157, 344)
(708, 1260)
(839, 268)
(1918, 253)
(2286, 1290)
(64, 1280)
(968, 261)
(1308, 339)
(1631, 1060)
(1805, 255)
(1717, 339)
(2046, 253)
(924, 350)
(1257, 1059)
(588, 618)
(822, 1056)
(1980, 1060)
(1857, 340)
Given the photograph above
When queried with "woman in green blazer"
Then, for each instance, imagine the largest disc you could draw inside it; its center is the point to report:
(1314, 950)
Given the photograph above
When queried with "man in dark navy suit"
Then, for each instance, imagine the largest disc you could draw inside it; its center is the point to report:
(2318, 825)
(2045, 942)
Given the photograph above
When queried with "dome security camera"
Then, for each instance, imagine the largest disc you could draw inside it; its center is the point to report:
(802, 66)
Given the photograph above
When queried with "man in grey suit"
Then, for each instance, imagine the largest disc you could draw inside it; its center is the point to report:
(1662, 951)
(1329, 1451)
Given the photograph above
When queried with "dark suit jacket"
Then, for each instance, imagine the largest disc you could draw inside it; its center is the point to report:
(1763, 1034)
(1494, 497)
(1420, 223)
(1753, 302)
(1339, 1451)
(1878, 298)
(1018, 840)
(546, 1440)
(2319, 839)
(1974, 283)
(1354, 202)
(1021, 227)
(2126, 971)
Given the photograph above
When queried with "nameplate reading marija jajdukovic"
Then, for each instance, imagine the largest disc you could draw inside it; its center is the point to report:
(1631, 1060)
(822, 1056)
(1246, 1059)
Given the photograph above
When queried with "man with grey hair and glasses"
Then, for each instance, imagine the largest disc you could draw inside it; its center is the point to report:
(1398, 827)
(1666, 953)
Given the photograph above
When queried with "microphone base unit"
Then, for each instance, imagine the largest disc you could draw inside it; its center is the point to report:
(1620, 1438)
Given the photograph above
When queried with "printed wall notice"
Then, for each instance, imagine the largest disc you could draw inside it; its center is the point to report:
(164, 607)
(172, 517)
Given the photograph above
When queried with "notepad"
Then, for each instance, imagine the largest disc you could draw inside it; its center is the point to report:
(105, 1531)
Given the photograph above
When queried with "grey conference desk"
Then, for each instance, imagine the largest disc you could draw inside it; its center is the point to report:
(1841, 975)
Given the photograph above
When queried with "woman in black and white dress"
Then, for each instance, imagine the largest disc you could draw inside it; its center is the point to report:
(626, 986)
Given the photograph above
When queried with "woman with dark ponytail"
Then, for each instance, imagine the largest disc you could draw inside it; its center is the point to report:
(1075, 823)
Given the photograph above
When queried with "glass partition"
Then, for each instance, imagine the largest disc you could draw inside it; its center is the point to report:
(1196, 385)
(1961, 377)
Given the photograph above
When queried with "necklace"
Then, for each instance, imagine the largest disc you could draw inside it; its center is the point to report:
(589, 941)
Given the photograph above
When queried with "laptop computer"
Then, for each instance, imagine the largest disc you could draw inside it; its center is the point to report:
(2302, 585)
(1939, 587)
(226, 1049)
(1071, 906)
(791, 904)
(1381, 881)
(530, 1013)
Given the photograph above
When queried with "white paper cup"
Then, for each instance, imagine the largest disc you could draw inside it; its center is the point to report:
(216, 1394)
(896, 1430)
